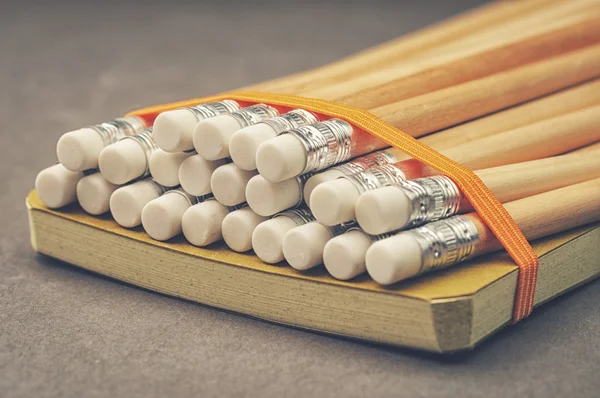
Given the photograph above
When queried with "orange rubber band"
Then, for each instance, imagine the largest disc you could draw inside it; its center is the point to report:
(483, 201)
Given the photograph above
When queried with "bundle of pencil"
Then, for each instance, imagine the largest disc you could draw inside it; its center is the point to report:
(511, 90)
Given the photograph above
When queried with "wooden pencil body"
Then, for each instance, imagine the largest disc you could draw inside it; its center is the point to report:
(464, 69)
(546, 138)
(403, 48)
(464, 55)
(546, 214)
(521, 180)
(443, 108)
(539, 140)
(552, 105)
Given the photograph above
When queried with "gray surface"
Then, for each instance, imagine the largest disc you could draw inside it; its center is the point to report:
(66, 332)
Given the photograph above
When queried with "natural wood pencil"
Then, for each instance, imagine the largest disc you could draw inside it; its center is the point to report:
(443, 108)
(368, 93)
(334, 202)
(428, 199)
(267, 198)
(286, 156)
(398, 50)
(547, 107)
(521, 180)
(589, 148)
(553, 105)
(545, 138)
(409, 253)
(417, 202)
(493, 42)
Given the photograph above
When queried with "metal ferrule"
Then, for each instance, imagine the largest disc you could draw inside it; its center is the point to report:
(300, 215)
(432, 198)
(341, 228)
(229, 208)
(145, 141)
(114, 130)
(291, 120)
(222, 162)
(302, 178)
(363, 163)
(254, 114)
(190, 198)
(326, 143)
(374, 238)
(236, 207)
(377, 177)
(445, 242)
(88, 171)
(212, 109)
(160, 189)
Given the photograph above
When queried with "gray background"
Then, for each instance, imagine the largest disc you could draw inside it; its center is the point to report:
(67, 332)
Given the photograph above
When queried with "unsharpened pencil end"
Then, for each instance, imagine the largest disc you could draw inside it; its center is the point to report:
(161, 218)
(383, 210)
(229, 182)
(194, 175)
(201, 223)
(344, 255)
(164, 166)
(127, 203)
(303, 246)
(267, 198)
(237, 228)
(317, 179)
(244, 144)
(281, 158)
(394, 259)
(333, 202)
(211, 136)
(267, 239)
(79, 150)
(173, 130)
(93, 193)
(56, 186)
(122, 161)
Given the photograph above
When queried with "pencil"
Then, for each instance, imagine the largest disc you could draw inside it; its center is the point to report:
(411, 252)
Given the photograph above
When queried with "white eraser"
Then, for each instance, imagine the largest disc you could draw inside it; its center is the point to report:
(394, 259)
(201, 223)
(237, 228)
(161, 218)
(164, 166)
(229, 182)
(303, 246)
(194, 175)
(123, 161)
(173, 130)
(267, 198)
(281, 158)
(127, 203)
(93, 193)
(383, 210)
(344, 255)
(333, 202)
(56, 186)
(267, 238)
(211, 136)
(244, 144)
(79, 150)
(317, 179)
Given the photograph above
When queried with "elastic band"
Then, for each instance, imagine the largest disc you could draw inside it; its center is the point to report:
(483, 201)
